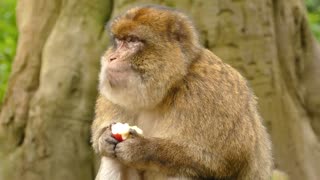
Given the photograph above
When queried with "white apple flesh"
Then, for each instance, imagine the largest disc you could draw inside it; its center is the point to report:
(120, 131)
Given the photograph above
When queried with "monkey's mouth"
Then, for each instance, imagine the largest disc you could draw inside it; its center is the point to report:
(118, 73)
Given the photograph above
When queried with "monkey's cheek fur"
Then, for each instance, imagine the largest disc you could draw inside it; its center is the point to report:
(121, 131)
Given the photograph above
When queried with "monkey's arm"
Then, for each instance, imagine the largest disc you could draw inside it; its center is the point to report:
(169, 157)
(105, 114)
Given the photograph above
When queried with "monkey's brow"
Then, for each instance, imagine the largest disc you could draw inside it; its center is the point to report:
(123, 37)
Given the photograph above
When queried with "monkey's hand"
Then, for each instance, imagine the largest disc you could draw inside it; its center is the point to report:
(106, 143)
(165, 155)
(132, 150)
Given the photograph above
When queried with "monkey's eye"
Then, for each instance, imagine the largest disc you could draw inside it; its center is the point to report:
(132, 39)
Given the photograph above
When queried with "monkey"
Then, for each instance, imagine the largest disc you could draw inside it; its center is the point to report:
(198, 114)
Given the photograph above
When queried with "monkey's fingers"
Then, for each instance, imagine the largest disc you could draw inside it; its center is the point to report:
(104, 129)
(110, 139)
(106, 146)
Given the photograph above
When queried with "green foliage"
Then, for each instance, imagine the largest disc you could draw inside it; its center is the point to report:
(313, 7)
(8, 40)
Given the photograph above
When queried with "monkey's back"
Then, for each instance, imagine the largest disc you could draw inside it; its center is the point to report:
(227, 124)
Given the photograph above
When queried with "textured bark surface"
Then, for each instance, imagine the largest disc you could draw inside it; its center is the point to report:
(45, 119)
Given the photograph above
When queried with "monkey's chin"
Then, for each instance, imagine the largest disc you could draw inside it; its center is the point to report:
(135, 96)
(127, 92)
(118, 79)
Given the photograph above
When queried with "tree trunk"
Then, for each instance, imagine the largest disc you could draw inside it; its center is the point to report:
(47, 112)
(48, 109)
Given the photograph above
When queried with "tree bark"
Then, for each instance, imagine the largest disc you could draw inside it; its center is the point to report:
(296, 121)
(47, 112)
(45, 118)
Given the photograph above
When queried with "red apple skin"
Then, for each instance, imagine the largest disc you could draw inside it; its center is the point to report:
(118, 137)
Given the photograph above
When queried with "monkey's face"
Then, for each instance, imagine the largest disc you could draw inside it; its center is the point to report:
(136, 73)
(119, 67)
(118, 77)
(146, 58)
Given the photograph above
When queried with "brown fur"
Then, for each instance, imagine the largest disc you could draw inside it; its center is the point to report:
(199, 117)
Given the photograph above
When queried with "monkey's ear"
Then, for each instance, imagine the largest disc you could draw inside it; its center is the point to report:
(182, 30)
(177, 31)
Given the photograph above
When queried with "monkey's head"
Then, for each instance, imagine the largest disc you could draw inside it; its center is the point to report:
(151, 50)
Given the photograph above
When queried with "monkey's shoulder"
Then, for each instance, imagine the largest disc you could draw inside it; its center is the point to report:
(212, 81)
(209, 68)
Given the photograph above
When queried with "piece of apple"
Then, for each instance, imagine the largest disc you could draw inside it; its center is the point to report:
(118, 137)
(121, 131)
(138, 130)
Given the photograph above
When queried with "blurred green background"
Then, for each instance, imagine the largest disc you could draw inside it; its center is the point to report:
(313, 7)
(8, 41)
(9, 34)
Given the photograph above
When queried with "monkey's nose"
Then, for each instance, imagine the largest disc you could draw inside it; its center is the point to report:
(112, 58)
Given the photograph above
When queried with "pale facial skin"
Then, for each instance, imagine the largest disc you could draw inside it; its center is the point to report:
(120, 81)
(116, 65)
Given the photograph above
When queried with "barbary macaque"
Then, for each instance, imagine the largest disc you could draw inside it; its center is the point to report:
(198, 115)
